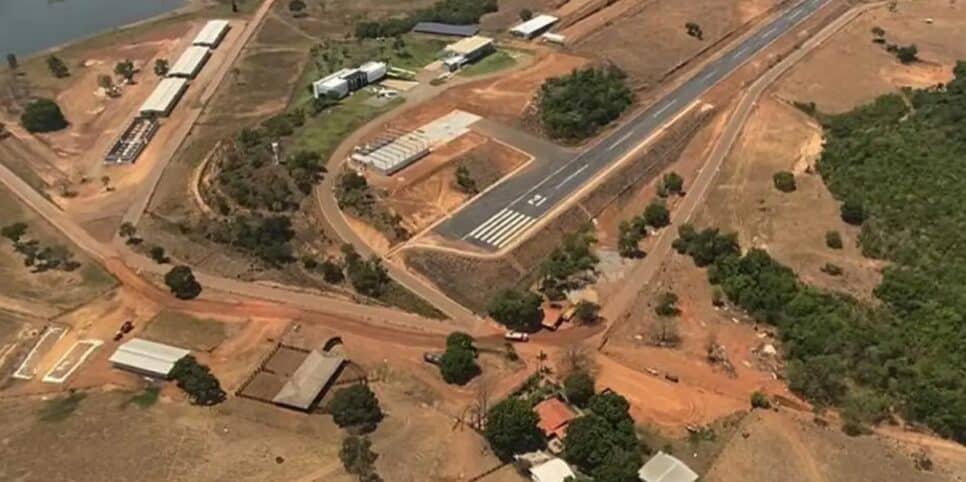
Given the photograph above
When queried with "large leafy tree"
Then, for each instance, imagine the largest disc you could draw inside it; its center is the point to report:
(197, 381)
(517, 310)
(579, 387)
(43, 115)
(511, 428)
(182, 282)
(356, 407)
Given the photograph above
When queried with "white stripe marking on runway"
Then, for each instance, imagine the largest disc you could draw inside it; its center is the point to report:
(666, 107)
(571, 176)
(486, 224)
(507, 221)
(499, 243)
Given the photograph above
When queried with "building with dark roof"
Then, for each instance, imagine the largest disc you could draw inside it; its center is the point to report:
(436, 28)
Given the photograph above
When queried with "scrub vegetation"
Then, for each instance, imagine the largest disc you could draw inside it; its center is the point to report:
(578, 105)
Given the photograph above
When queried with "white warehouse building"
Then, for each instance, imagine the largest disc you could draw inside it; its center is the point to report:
(148, 358)
(164, 97)
(211, 34)
(341, 83)
(190, 62)
(535, 26)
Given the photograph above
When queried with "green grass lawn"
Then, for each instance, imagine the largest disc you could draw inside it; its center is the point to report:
(323, 132)
(494, 62)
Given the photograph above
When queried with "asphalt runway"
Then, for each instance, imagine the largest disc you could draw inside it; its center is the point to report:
(505, 212)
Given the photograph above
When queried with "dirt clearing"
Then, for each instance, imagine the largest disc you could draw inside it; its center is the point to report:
(850, 70)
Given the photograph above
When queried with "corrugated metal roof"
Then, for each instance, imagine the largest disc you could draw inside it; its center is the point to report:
(534, 25)
(446, 29)
(187, 65)
(164, 95)
(309, 380)
(666, 468)
(469, 45)
(211, 32)
(148, 356)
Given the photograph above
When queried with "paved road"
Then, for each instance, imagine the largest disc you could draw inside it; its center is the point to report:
(498, 217)
(644, 272)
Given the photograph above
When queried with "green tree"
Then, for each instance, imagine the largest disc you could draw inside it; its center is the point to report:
(296, 6)
(57, 67)
(694, 30)
(368, 277)
(591, 443)
(526, 14)
(458, 365)
(517, 310)
(907, 54)
(356, 407)
(511, 428)
(197, 381)
(12, 61)
(332, 272)
(579, 387)
(612, 406)
(629, 239)
(125, 68)
(667, 305)
(182, 283)
(43, 115)
(357, 456)
(853, 212)
(158, 255)
(673, 183)
(161, 67)
(657, 215)
(459, 339)
(784, 181)
(576, 106)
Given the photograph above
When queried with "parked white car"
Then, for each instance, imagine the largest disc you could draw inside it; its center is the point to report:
(516, 336)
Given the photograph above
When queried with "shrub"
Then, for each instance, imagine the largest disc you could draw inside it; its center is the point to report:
(853, 212)
(760, 400)
(667, 305)
(833, 240)
(784, 181)
(43, 115)
(657, 215)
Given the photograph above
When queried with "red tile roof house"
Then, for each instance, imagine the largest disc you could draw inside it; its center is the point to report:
(554, 415)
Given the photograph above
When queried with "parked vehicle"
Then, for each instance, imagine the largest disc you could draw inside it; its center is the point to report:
(433, 358)
(671, 378)
(516, 336)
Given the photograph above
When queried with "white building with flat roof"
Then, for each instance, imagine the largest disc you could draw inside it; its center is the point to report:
(147, 357)
(553, 470)
(164, 97)
(211, 34)
(190, 62)
(535, 26)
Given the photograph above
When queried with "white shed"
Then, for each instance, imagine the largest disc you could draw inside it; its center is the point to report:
(211, 34)
(190, 62)
(333, 84)
(164, 97)
(553, 470)
(147, 357)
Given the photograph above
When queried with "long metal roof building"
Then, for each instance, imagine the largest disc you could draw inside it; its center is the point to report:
(147, 357)
(164, 97)
(446, 29)
(666, 468)
(309, 381)
(211, 34)
(535, 26)
(190, 62)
